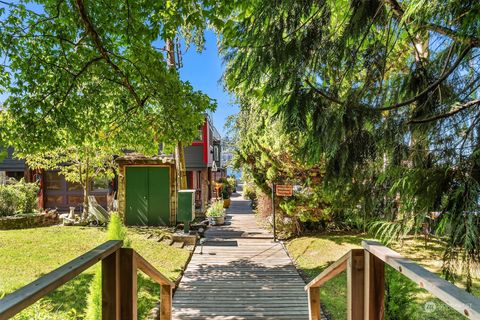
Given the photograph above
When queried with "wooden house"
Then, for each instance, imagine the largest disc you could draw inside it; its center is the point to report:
(203, 164)
(55, 192)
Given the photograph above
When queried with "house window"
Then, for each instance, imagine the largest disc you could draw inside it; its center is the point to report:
(73, 186)
(216, 153)
(100, 184)
(189, 179)
(199, 180)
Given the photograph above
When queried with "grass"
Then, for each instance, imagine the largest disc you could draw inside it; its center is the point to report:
(28, 254)
(312, 254)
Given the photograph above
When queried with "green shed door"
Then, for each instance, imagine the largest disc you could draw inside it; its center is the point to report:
(158, 196)
(136, 211)
(147, 196)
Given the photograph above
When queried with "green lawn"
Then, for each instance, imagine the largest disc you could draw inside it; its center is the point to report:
(30, 253)
(312, 254)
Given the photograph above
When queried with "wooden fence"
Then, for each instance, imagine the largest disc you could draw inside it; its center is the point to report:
(119, 283)
(366, 283)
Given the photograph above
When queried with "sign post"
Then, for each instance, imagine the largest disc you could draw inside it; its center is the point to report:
(273, 213)
(280, 190)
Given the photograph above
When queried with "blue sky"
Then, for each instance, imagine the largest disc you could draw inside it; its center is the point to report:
(204, 71)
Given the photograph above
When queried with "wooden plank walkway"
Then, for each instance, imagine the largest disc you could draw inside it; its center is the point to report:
(242, 274)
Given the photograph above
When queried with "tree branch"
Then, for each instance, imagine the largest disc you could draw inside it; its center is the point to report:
(70, 87)
(431, 87)
(428, 89)
(471, 40)
(447, 114)
(104, 52)
(322, 93)
(466, 40)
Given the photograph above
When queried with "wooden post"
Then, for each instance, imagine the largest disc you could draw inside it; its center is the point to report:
(111, 287)
(314, 309)
(273, 213)
(165, 302)
(128, 284)
(374, 307)
(355, 284)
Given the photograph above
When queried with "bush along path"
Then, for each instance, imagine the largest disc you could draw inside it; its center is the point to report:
(240, 272)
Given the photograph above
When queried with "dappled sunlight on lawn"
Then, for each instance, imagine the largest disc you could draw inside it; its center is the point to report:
(315, 253)
(312, 254)
(26, 255)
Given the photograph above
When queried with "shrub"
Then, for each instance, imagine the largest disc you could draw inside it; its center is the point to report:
(249, 192)
(18, 197)
(224, 181)
(400, 296)
(8, 200)
(225, 194)
(227, 186)
(232, 181)
(215, 209)
(115, 231)
(28, 200)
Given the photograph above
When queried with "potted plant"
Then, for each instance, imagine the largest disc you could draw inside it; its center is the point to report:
(226, 198)
(232, 181)
(216, 213)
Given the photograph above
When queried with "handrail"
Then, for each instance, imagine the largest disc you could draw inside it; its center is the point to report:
(456, 298)
(119, 283)
(330, 272)
(29, 294)
(366, 283)
(153, 273)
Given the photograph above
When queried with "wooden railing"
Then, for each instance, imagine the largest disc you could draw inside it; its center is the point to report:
(119, 283)
(366, 283)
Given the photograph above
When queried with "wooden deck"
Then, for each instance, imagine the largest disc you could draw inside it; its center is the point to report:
(242, 274)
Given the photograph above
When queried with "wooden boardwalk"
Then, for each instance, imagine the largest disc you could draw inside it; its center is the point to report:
(242, 274)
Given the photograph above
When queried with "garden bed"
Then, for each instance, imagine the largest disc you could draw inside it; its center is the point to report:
(25, 221)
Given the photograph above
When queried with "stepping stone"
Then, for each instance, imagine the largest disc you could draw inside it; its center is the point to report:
(178, 244)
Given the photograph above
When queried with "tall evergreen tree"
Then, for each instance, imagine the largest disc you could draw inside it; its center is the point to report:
(384, 94)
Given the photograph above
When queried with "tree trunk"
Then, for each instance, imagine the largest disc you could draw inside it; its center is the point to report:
(181, 167)
(179, 149)
(86, 191)
(419, 138)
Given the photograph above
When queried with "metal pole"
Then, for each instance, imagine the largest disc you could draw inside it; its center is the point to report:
(273, 213)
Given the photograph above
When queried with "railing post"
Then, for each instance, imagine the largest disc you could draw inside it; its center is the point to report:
(374, 307)
(128, 284)
(355, 284)
(111, 287)
(314, 309)
(165, 302)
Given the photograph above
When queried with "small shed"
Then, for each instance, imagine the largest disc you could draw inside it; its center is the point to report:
(147, 190)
